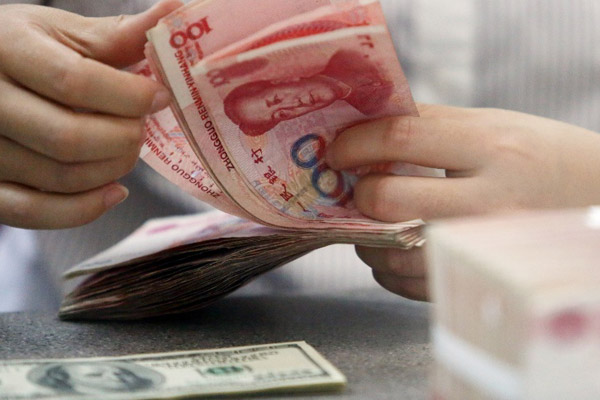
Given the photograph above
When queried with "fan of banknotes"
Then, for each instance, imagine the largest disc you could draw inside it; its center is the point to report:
(258, 96)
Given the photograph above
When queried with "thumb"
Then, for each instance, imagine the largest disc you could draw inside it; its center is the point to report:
(119, 41)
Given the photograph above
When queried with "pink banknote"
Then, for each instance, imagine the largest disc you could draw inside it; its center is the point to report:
(160, 235)
(275, 121)
(168, 152)
(321, 20)
(202, 27)
(260, 103)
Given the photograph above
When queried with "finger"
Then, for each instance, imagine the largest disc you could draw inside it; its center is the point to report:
(56, 71)
(411, 288)
(118, 41)
(429, 142)
(63, 134)
(394, 198)
(21, 165)
(401, 263)
(24, 207)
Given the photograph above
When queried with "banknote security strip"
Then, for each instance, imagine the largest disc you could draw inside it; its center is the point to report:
(280, 367)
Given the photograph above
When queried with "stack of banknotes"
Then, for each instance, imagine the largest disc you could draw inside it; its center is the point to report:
(179, 264)
(517, 306)
(258, 95)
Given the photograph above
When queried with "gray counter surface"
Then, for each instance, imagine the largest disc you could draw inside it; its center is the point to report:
(378, 340)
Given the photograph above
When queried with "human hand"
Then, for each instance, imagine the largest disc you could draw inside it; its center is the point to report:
(495, 161)
(71, 122)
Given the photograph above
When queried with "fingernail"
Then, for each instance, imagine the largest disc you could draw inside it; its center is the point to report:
(162, 98)
(115, 195)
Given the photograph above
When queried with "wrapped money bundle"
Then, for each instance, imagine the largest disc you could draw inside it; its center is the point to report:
(517, 312)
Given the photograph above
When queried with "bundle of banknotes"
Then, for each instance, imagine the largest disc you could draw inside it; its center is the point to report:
(279, 367)
(257, 98)
(179, 264)
(517, 306)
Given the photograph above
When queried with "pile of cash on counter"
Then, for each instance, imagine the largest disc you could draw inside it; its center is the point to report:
(517, 306)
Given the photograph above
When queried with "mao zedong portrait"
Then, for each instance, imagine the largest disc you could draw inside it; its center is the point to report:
(257, 107)
(95, 377)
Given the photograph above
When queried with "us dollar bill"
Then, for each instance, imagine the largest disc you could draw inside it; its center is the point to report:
(284, 367)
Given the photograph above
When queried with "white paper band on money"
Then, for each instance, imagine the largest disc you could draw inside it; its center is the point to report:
(498, 379)
(280, 367)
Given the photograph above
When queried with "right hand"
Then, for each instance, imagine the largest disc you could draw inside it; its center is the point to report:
(59, 164)
(495, 160)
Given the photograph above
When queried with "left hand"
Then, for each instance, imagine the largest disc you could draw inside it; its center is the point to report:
(495, 161)
(71, 120)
